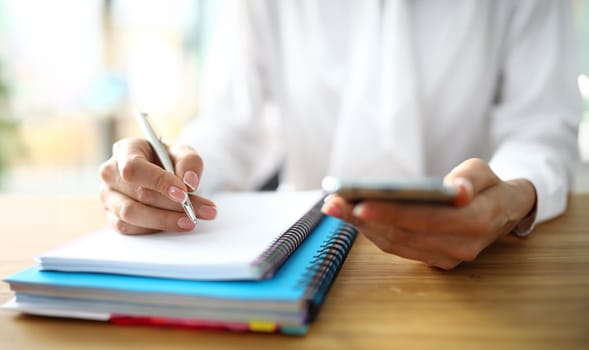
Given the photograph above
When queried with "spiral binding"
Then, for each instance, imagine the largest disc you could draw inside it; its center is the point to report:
(283, 246)
(325, 266)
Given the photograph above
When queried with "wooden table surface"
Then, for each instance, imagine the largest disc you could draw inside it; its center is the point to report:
(520, 293)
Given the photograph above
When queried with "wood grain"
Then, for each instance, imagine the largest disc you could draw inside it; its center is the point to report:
(520, 293)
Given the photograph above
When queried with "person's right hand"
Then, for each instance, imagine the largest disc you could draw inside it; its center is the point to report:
(139, 196)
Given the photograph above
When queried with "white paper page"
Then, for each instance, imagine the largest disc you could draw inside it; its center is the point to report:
(246, 224)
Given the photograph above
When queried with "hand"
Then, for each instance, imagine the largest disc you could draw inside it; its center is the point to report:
(141, 197)
(444, 236)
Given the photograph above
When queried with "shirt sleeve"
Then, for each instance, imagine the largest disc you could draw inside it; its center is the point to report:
(232, 132)
(534, 123)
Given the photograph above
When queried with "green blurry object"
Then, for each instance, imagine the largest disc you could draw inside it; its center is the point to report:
(9, 142)
(9, 137)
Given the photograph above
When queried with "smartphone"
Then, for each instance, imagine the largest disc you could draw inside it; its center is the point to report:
(424, 191)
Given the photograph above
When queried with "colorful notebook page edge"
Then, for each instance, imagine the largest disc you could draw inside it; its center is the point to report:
(189, 324)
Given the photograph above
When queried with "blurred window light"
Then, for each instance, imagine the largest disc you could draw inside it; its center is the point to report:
(76, 68)
(52, 49)
(154, 53)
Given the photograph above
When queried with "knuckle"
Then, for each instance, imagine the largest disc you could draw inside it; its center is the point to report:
(144, 195)
(479, 220)
(186, 157)
(475, 162)
(480, 228)
(106, 170)
(481, 225)
(194, 161)
(126, 212)
(161, 182)
(130, 168)
(121, 226)
(479, 165)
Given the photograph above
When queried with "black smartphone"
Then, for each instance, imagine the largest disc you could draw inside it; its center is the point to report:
(425, 190)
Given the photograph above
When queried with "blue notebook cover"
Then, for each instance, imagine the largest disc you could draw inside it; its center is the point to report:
(305, 277)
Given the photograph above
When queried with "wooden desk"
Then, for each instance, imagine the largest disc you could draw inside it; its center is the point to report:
(520, 293)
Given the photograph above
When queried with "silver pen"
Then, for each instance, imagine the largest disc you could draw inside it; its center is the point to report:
(161, 152)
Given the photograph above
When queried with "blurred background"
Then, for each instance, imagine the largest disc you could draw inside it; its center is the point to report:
(71, 72)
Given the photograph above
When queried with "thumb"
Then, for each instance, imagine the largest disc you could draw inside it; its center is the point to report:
(188, 165)
(470, 178)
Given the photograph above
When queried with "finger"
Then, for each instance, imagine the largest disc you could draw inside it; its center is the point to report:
(109, 172)
(432, 219)
(430, 231)
(336, 206)
(188, 165)
(404, 244)
(137, 214)
(150, 197)
(447, 247)
(133, 158)
(204, 208)
(126, 228)
(110, 178)
(470, 178)
(430, 249)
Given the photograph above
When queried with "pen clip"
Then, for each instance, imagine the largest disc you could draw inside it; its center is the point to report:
(189, 209)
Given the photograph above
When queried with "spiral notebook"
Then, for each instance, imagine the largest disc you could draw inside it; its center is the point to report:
(252, 235)
(288, 302)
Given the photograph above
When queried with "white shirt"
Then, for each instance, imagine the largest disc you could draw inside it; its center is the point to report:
(390, 89)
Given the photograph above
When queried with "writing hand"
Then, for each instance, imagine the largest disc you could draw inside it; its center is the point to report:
(444, 236)
(141, 197)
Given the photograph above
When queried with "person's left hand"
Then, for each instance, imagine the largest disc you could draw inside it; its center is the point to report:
(444, 236)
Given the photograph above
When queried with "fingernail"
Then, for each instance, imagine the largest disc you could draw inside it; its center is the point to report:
(207, 212)
(328, 198)
(333, 209)
(177, 194)
(191, 180)
(185, 223)
(464, 183)
(359, 210)
(465, 191)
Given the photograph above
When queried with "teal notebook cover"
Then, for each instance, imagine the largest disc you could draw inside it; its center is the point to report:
(304, 278)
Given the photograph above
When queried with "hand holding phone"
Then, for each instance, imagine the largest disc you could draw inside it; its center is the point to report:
(418, 191)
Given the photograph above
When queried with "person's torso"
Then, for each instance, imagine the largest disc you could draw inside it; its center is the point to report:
(457, 55)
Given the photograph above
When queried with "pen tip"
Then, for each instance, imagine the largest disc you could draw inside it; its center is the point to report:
(189, 210)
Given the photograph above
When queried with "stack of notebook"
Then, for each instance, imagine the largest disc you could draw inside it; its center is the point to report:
(265, 263)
